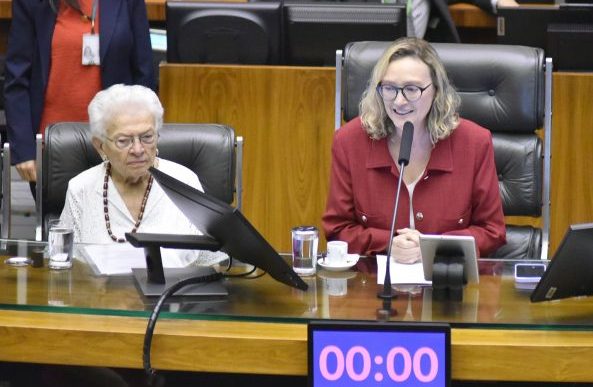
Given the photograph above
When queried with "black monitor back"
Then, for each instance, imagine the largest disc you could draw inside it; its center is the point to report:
(565, 32)
(570, 273)
(223, 33)
(313, 31)
(236, 236)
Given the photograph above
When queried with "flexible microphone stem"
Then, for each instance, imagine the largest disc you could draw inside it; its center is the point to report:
(405, 149)
(388, 293)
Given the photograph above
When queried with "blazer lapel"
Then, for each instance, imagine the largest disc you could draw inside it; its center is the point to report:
(109, 10)
(45, 21)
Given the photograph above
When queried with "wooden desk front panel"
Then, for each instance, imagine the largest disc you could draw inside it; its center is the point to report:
(272, 348)
(286, 117)
(572, 155)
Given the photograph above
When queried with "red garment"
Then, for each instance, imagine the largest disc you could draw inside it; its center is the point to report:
(457, 195)
(71, 85)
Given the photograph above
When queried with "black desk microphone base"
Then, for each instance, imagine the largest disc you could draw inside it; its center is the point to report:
(448, 277)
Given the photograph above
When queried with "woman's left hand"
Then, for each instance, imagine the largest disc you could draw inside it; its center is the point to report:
(405, 246)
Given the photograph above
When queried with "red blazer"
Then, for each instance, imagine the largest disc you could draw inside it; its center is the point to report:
(457, 195)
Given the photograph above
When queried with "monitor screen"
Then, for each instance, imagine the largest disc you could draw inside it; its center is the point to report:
(229, 227)
(223, 33)
(314, 31)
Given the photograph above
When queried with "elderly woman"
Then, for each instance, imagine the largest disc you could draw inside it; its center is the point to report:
(450, 185)
(120, 195)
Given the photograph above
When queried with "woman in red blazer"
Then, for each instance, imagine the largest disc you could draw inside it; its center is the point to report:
(46, 78)
(450, 185)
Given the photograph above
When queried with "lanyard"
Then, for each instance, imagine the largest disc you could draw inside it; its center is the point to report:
(92, 17)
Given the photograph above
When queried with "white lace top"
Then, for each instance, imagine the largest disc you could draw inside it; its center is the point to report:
(84, 211)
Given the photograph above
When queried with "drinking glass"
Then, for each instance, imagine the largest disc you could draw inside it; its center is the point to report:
(60, 240)
(304, 250)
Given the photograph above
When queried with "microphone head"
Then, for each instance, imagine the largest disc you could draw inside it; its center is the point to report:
(405, 146)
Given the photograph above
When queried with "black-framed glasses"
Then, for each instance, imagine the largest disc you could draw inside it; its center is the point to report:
(411, 93)
(125, 142)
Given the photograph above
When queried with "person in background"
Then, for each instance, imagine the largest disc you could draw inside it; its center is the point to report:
(431, 19)
(48, 77)
(449, 187)
(120, 195)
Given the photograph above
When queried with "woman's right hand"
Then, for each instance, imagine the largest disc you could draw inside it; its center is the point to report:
(27, 170)
(405, 246)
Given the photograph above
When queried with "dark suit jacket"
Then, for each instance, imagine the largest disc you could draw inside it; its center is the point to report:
(126, 57)
(445, 30)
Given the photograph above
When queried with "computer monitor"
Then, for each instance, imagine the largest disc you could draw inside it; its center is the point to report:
(228, 228)
(570, 272)
(563, 31)
(314, 31)
(223, 33)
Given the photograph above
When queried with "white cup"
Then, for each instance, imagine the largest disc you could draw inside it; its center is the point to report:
(337, 252)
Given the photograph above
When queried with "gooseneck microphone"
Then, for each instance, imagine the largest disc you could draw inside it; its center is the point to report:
(405, 148)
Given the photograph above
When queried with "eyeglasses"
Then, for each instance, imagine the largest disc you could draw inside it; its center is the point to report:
(411, 93)
(125, 142)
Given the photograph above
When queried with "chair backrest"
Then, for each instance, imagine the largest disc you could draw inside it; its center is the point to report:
(207, 149)
(506, 89)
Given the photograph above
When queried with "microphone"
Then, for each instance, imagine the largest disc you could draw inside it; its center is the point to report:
(405, 148)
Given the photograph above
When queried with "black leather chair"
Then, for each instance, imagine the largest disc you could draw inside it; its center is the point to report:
(504, 88)
(212, 151)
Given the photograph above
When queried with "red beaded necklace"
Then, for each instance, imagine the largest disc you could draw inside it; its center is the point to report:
(106, 207)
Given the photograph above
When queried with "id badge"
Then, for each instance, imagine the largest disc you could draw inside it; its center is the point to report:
(90, 50)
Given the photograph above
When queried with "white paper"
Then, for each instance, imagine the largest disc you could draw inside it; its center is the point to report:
(401, 273)
(119, 259)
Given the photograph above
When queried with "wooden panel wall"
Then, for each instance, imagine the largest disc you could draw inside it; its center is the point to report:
(572, 152)
(286, 117)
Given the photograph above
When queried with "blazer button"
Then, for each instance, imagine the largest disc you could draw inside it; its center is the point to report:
(419, 216)
(364, 219)
(460, 221)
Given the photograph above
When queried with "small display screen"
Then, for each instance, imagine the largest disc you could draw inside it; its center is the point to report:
(378, 354)
(530, 271)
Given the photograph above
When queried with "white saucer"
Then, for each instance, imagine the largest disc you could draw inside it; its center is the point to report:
(350, 261)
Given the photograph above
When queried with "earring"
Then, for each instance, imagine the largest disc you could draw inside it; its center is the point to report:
(105, 159)
(157, 152)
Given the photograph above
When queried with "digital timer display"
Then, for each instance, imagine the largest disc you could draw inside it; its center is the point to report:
(380, 355)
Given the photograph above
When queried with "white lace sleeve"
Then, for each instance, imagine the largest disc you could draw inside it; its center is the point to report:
(71, 214)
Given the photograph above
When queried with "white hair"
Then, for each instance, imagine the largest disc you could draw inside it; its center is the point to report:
(117, 99)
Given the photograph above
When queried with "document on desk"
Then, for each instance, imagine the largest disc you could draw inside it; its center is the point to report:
(119, 259)
(401, 273)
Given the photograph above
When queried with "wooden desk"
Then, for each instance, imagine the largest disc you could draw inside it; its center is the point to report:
(75, 318)
(464, 15)
(154, 8)
(272, 348)
(471, 16)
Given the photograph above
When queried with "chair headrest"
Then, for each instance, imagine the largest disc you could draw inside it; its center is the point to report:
(501, 86)
(206, 149)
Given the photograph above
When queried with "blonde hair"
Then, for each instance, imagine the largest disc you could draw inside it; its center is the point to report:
(443, 116)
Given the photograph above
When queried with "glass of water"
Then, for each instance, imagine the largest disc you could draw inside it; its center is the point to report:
(304, 250)
(60, 241)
